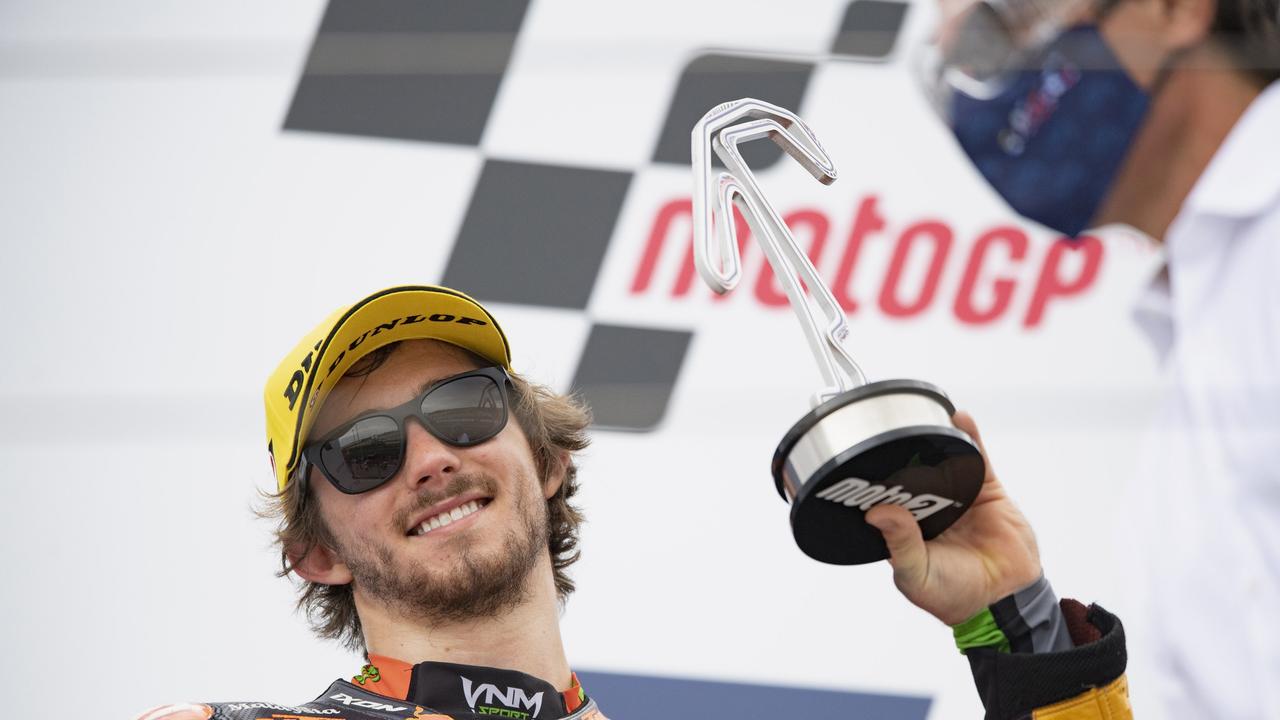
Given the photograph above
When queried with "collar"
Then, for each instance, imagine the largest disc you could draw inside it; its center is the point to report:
(1153, 312)
(1243, 178)
(457, 689)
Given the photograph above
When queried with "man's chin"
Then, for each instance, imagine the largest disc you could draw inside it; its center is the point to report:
(472, 581)
(481, 568)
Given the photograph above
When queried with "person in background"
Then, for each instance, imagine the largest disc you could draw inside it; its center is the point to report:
(1163, 115)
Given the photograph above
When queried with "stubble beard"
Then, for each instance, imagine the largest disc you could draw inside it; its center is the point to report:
(477, 584)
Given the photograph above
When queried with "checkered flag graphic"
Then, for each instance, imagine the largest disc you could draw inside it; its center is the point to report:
(431, 72)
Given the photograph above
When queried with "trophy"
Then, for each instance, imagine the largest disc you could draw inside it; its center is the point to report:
(863, 444)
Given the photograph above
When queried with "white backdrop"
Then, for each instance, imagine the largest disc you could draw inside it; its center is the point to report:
(165, 242)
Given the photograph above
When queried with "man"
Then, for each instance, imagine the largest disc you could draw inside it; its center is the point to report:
(433, 533)
(1163, 115)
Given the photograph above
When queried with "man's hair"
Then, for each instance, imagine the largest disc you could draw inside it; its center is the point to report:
(554, 424)
(1250, 31)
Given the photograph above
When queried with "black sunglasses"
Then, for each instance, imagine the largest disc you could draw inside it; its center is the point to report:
(462, 410)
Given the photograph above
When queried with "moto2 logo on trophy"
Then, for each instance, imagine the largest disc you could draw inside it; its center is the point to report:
(859, 493)
(1000, 273)
(513, 698)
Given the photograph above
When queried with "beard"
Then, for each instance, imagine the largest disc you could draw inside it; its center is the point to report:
(477, 584)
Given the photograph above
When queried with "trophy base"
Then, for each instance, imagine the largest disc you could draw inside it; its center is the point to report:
(887, 442)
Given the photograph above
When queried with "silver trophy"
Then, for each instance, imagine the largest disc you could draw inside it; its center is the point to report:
(864, 444)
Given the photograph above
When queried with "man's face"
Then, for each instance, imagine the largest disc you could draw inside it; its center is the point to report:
(471, 567)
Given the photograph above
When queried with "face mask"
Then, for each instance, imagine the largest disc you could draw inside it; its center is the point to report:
(1051, 139)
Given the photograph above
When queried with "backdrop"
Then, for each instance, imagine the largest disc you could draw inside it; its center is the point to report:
(186, 188)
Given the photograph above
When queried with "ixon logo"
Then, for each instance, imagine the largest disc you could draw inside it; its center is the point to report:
(536, 233)
(350, 701)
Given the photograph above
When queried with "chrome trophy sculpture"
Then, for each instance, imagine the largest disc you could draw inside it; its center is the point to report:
(863, 444)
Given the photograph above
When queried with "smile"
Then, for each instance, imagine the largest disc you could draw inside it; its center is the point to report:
(449, 517)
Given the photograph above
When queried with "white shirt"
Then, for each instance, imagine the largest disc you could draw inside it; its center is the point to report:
(1206, 502)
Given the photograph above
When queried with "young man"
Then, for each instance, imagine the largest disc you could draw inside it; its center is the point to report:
(1163, 115)
(433, 532)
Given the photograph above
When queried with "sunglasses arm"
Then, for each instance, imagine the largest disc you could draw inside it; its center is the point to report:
(301, 475)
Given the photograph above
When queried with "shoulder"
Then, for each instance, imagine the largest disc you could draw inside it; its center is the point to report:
(248, 710)
(341, 701)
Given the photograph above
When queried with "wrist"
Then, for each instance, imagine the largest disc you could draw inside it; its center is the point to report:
(981, 630)
(1027, 621)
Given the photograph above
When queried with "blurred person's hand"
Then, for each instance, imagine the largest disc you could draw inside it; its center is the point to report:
(988, 554)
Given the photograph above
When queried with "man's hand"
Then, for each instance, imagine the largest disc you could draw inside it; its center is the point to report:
(988, 554)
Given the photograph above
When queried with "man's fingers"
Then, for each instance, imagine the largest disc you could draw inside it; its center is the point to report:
(907, 552)
(964, 421)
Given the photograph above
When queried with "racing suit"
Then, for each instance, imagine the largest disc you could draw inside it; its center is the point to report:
(1014, 681)
(388, 689)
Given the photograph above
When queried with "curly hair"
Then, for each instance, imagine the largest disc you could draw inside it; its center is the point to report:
(554, 424)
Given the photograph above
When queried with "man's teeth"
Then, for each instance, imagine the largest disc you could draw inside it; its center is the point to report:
(444, 518)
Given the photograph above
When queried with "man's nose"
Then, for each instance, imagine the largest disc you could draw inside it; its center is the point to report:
(426, 458)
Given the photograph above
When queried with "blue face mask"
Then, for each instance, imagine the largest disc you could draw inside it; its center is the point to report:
(1052, 142)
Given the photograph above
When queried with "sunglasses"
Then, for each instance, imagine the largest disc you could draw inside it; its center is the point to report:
(462, 410)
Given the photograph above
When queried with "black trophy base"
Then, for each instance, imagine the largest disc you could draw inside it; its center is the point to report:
(887, 442)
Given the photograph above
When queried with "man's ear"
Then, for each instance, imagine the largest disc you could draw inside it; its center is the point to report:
(318, 564)
(555, 474)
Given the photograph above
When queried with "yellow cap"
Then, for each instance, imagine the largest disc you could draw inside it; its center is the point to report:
(298, 387)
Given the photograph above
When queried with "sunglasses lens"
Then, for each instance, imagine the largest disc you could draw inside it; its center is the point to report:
(466, 411)
(364, 456)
